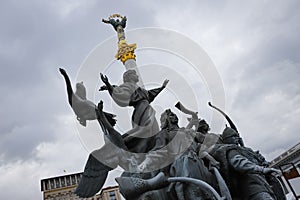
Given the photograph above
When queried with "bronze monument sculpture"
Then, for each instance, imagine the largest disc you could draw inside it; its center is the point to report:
(173, 162)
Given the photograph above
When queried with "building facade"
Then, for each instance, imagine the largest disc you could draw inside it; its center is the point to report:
(289, 163)
(63, 187)
(290, 156)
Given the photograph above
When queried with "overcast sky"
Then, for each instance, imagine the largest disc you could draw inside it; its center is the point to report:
(254, 45)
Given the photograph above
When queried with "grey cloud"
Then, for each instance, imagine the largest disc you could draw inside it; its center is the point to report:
(36, 38)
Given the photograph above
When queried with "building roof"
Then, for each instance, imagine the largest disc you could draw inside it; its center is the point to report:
(58, 177)
(287, 156)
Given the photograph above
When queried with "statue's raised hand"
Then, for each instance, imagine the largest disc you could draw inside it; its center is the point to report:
(104, 78)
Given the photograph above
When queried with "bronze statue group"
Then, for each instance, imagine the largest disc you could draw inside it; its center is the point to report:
(168, 162)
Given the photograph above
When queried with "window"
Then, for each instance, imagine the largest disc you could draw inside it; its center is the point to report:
(73, 180)
(52, 184)
(62, 182)
(68, 181)
(46, 185)
(78, 178)
(112, 195)
(57, 183)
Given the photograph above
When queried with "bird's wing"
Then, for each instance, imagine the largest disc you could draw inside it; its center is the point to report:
(93, 178)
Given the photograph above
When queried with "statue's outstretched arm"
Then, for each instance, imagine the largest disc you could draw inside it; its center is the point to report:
(108, 87)
(105, 21)
(243, 165)
(154, 92)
